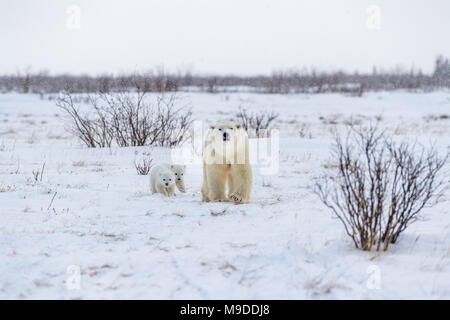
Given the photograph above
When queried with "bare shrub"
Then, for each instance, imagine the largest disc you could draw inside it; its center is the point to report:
(92, 129)
(144, 166)
(173, 123)
(258, 122)
(128, 118)
(379, 186)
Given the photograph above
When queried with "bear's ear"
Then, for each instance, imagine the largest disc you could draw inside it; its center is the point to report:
(212, 127)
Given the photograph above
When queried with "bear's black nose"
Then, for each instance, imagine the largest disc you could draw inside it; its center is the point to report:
(167, 184)
(225, 136)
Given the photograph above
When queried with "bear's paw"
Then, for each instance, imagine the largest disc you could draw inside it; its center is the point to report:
(236, 198)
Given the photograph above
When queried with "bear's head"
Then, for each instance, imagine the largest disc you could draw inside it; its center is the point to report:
(166, 178)
(227, 142)
(178, 171)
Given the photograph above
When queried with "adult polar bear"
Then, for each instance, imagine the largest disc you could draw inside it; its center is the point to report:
(226, 161)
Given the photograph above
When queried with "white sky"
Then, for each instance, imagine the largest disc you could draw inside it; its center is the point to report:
(227, 36)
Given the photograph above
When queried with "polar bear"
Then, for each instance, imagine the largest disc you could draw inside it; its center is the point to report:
(226, 162)
(178, 171)
(162, 180)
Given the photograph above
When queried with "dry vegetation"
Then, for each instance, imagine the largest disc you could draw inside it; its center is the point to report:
(294, 80)
(143, 166)
(257, 124)
(380, 186)
(127, 118)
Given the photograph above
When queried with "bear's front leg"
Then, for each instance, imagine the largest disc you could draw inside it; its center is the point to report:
(180, 186)
(171, 191)
(216, 180)
(204, 190)
(230, 185)
(162, 190)
(242, 183)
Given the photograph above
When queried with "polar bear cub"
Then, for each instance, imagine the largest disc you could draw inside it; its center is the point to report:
(178, 171)
(162, 180)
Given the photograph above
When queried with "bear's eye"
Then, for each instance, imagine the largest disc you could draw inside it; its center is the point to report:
(170, 179)
(231, 128)
(164, 179)
(176, 173)
(220, 129)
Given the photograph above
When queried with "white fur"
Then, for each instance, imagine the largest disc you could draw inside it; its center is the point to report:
(162, 180)
(218, 151)
(226, 164)
(178, 171)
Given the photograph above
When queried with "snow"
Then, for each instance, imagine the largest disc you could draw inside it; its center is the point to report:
(92, 211)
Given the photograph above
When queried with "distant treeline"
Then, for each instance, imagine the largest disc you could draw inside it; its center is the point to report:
(279, 82)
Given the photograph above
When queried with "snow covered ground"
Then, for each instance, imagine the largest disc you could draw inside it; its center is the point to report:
(92, 212)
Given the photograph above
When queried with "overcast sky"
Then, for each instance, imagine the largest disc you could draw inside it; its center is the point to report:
(228, 36)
